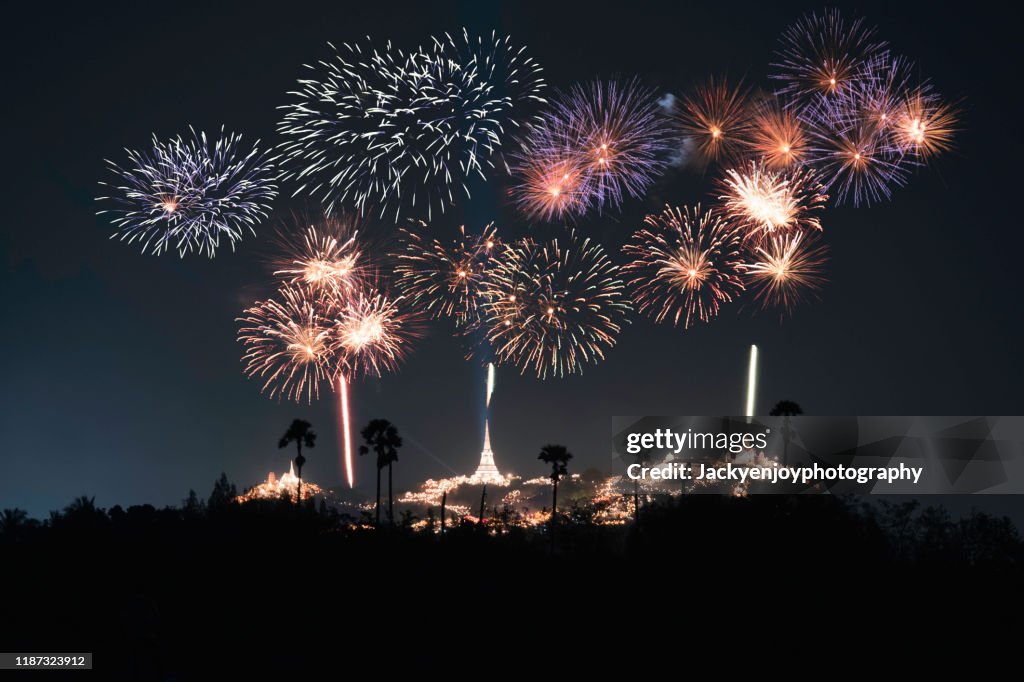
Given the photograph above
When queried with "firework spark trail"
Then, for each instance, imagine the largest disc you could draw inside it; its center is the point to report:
(346, 430)
(761, 202)
(786, 269)
(554, 307)
(398, 132)
(328, 258)
(717, 117)
(822, 54)
(447, 281)
(686, 264)
(185, 194)
(287, 344)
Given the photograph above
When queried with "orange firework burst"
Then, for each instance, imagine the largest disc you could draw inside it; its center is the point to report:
(447, 281)
(786, 269)
(553, 307)
(760, 201)
(923, 125)
(717, 117)
(777, 136)
(328, 257)
(552, 186)
(371, 333)
(288, 343)
(686, 265)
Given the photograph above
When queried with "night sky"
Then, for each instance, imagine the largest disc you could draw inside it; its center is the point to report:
(121, 373)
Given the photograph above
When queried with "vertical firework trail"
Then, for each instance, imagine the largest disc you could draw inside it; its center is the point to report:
(751, 382)
(490, 383)
(346, 430)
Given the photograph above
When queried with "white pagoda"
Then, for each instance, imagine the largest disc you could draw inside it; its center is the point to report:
(487, 471)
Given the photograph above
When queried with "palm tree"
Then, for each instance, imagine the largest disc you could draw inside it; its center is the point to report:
(558, 457)
(786, 409)
(302, 433)
(382, 438)
(12, 521)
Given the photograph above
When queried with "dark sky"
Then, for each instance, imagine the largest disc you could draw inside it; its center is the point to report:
(121, 372)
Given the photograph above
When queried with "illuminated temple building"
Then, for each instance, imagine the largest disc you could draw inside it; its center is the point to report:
(487, 471)
(274, 488)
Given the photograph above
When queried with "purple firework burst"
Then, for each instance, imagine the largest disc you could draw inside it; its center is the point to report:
(599, 144)
(822, 54)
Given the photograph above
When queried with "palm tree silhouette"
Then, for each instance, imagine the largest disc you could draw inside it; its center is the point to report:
(786, 409)
(12, 521)
(302, 433)
(381, 437)
(558, 457)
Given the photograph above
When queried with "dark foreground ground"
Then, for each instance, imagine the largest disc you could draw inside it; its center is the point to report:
(266, 588)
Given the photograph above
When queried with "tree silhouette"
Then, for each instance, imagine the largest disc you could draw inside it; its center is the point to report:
(224, 492)
(786, 409)
(558, 457)
(13, 521)
(301, 432)
(381, 437)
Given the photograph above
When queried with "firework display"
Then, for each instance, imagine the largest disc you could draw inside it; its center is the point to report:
(390, 131)
(333, 319)
(853, 156)
(371, 333)
(288, 343)
(554, 307)
(447, 281)
(401, 134)
(596, 145)
(188, 193)
(922, 124)
(823, 54)
(785, 269)
(717, 116)
(762, 201)
(687, 264)
(777, 137)
(327, 258)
